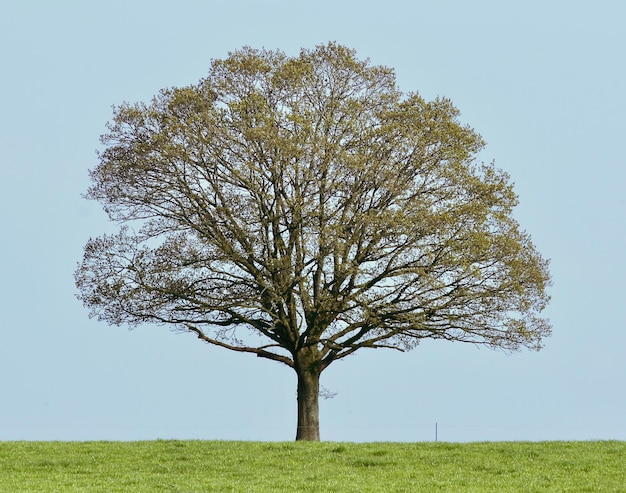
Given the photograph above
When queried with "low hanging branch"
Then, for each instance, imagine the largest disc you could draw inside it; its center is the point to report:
(261, 352)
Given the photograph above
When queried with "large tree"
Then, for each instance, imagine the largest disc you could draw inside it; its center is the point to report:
(303, 208)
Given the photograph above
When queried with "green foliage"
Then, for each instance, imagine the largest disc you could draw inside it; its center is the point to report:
(194, 466)
(311, 201)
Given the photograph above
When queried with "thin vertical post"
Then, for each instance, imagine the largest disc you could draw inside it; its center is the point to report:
(436, 432)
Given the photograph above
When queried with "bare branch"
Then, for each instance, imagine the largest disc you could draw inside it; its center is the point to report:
(261, 352)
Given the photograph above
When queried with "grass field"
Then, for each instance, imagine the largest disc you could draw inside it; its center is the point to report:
(194, 466)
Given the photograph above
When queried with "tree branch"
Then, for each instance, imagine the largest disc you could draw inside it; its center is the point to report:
(260, 351)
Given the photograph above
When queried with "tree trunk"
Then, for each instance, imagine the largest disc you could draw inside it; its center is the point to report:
(308, 372)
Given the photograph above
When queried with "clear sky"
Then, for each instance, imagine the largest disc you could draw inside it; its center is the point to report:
(544, 82)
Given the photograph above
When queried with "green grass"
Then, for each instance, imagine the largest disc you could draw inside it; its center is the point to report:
(194, 466)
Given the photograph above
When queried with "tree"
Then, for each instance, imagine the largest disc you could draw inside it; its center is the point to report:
(303, 208)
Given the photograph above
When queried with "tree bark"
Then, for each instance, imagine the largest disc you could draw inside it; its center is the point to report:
(308, 371)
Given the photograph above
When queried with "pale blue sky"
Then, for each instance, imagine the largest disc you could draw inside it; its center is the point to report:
(542, 81)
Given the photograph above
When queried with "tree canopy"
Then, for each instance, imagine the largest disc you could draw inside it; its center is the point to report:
(302, 208)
